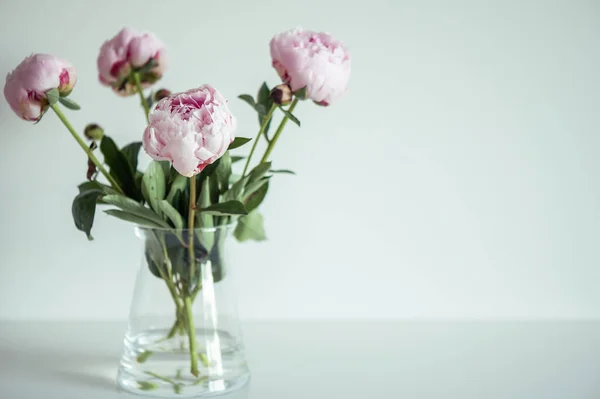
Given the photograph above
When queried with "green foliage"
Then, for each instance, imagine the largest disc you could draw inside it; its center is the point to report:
(250, 227)
(238, 142)
(154, 185)
(68, 103)
(225, 208)
(84, 209)
(119, 167)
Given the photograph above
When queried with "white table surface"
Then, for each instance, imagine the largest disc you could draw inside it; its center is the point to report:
(314, 360)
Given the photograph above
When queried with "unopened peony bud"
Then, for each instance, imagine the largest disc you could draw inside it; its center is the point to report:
(93, 132)
(281, 94)
(162, 93)
(26, 86)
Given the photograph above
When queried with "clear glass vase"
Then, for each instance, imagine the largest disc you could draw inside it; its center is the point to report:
(184, 337)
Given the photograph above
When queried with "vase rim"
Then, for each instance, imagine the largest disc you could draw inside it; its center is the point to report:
(140, 230)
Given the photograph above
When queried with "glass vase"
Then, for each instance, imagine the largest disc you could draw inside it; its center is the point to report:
(184, 336)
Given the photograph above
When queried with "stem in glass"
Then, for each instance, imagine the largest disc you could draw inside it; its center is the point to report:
(260, 132)
(85, 148)
(278, 132)
(187, 301)
(138, 85)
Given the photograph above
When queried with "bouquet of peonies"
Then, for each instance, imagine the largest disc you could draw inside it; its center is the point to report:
(189, 187)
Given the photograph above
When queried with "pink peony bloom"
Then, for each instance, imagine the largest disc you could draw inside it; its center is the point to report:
(191, 129)
(313, 60)
(26, 86)
(129, 50)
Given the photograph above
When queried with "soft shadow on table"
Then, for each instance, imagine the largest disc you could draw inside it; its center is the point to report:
(97, 370)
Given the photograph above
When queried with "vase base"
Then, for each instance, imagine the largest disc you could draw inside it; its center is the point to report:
(161, 389)
(153, 365)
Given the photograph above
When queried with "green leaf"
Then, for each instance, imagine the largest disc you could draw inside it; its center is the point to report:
(131, 152)
(171, 213)
(131, 217)
(301, 93)
(52, 96)
(225, 209)
(205, 220)
(264, 98)
(237, 189)
(248, 98)
(84, 209)
(119, 166)
(290, 115)
(95, 185)
(250, 227)
(238, 142)
(223, 172)
(154, 185)
(179, 184)
(254, 199)
(259, 171)
(236, 158)
(132, 207)
(68, 103)
(166, 166)
(286, 171)
(254, 186)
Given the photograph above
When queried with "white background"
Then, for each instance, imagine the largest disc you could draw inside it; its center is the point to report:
(459, 178)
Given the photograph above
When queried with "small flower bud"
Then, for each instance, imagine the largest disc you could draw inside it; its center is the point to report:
(281, 94)
(93, 132)
(162, 93)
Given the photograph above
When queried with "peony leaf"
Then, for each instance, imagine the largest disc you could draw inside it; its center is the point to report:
(132, 207)
(259, 171)
(253, 186)
(119, 166)
(286, 171)
(179, 184)
(290, 115)
(248, 99)
(301, 93)
(84, 209)
(264, 98)
(154, 185)
(236, 158)
(223, 172)
(171, 213)
(130, 217)
(205, 220)
(250, 227)
(237, 189)
(225, 208)
(68, 103)
(254, 199)
(131, 152)
(238, 142)
(52, 96)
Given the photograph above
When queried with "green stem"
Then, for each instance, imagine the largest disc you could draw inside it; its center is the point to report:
(85, 148)
(260, 132)
(187, 304)
(278, 132)
(138, 84)
(160, 377)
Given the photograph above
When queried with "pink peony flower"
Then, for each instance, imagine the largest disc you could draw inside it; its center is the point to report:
(313, 60)
(26, 86)
(128, 50)
(191, 129)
